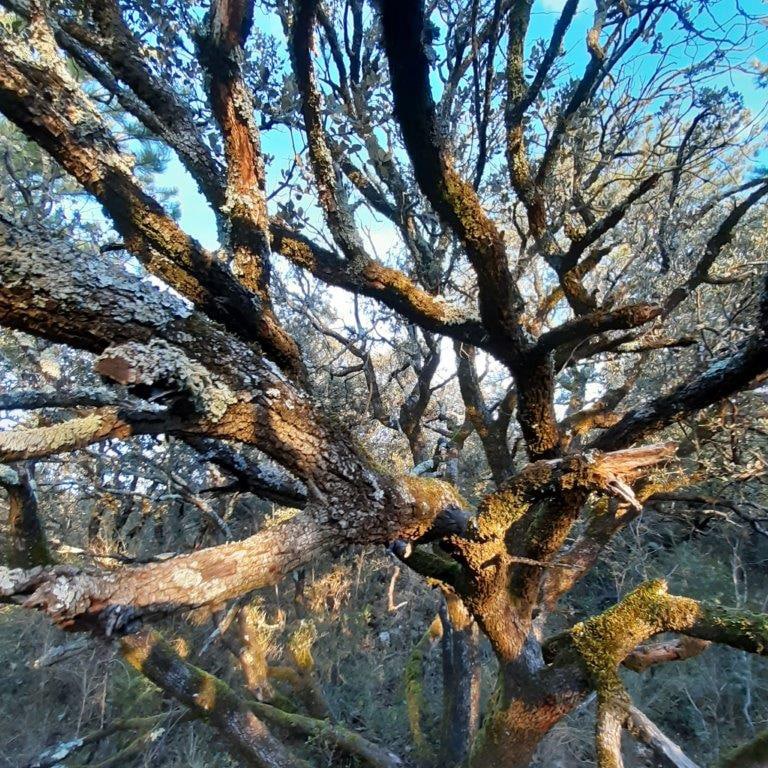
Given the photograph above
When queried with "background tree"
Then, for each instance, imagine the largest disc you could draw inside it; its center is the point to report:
(503, 267)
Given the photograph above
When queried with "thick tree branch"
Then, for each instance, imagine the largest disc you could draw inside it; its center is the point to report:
(645, 730)
(235, 718)
(458, 206)
(724, 377)
(330, 193)
(38, 95)
(210, 698)
(508, 547)
(36, 442)
(453, 198)
(116, 601)
(603, 642)
(581, 328)
(227, 391)
(390, 286)
(645, 656)
(123, 54)
(221, 53)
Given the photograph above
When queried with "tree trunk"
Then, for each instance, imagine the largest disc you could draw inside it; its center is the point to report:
(461, 682)
(27, 546)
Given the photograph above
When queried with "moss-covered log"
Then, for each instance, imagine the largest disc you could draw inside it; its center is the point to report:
(209, 698)
(235, 718)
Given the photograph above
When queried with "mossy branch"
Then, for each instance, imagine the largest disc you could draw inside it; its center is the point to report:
(609, 473)
(414, 688)
(603, 642)
(235, 718)
(429, 564)
(348, 741)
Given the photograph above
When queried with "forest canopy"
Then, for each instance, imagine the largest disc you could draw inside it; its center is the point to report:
(384, 382)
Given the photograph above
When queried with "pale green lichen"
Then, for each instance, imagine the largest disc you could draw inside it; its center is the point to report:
(161, 363)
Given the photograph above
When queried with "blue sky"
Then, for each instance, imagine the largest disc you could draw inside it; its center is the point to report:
(197, 218)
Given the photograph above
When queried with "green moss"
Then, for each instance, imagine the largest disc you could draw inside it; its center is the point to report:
(740, 629)
(604, 641)
(414, 689)
(498, 511)
(434, 566)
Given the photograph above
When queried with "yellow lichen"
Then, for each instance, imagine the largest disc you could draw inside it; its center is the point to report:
(603, 641)
(300, 646)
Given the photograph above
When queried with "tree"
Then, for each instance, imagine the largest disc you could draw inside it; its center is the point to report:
(561, 226)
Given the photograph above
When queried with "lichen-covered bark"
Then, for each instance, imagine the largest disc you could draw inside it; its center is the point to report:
(165, 113)
(22, 444)
(245, 205)
(518, 529)
(228, 392)
(456, 202)
(529, 699)
(390, 286)
(498, 565)
(600, 644)
(37, 93)
(331, 195)
(112, 601)
(245, 735)
(155, 339)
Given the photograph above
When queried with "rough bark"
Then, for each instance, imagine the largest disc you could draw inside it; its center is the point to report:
(27, 544)
(240, 721)
(461, 682)
(208, 697)
(456, 202)
(351, 501)
(211, 384)
(38, 95)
